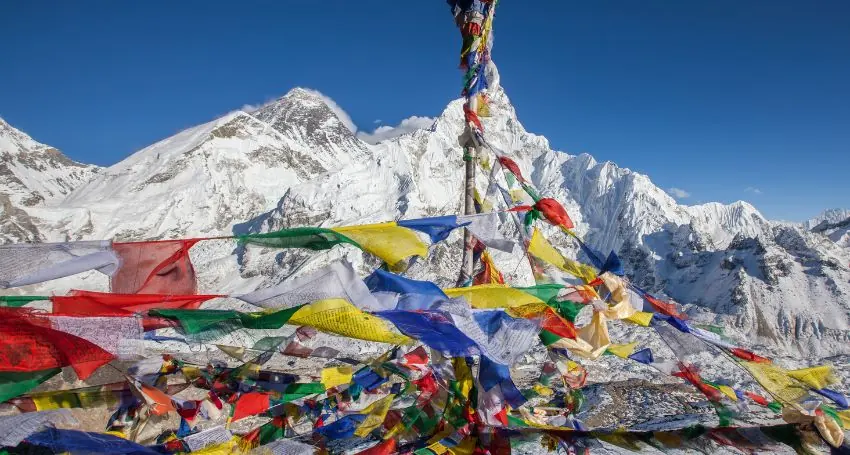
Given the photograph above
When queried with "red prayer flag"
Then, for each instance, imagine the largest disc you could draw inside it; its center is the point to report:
(665, 308)
(472, 117)
(160, 267)
(513, 167)
(384, 448)
(416, 359)
(749, 356)
(88, 303)
(554, 212)
(690, 374)
(757, 398)
(28, 344)
(554, 323)
(251, 403)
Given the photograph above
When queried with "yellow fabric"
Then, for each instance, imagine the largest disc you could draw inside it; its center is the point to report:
(518, 195)
(483, 106)
(340, 317)
(493, 296)
(63, 400)
(335, 376)
(463, 376)
(438, 448)
(622, 310)
(231, 446)
(466, 447)
(776, 380)
(623, 350)
(540, 248)
(844, 416)
(579, 347)
(237, 352)
(494, 271)
(615, 286)
(484, 161)
(728, 391)
(640, 318)
(388, 241)
(596, 333)
(829, 430)
(817, 377)
(542, 390)
(527, 311)
(375, 415)
(486, 206)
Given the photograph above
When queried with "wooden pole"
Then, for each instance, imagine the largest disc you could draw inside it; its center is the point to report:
(467, 265)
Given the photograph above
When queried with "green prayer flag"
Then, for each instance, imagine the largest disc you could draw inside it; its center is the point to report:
(13, 384)
(195, 321)
(544, 292)
(311, 238)
(547, 337)
(296, 391)
(20, 300)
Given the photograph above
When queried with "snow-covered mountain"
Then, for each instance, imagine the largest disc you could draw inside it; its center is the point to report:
(32, 175)
(294, 163)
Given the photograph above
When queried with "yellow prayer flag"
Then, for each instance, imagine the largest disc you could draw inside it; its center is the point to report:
(817, 377)
(776, 381)
(388, 241)
(466, 447)
(623, 350)
(494, 271)
(493, 296)
(237, 352)
(540, 248)
(728, 391)
(844, 416)
(463, 376)
(221, 449)
(640, 318)
(340, 317)
(334, 376)
(375, 415)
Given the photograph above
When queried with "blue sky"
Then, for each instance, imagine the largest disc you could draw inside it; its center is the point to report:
(725, 100)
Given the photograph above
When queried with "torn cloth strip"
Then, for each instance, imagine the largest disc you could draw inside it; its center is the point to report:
(159, 267)
(31, 263)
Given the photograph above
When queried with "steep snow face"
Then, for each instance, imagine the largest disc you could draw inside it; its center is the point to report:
(294, 163)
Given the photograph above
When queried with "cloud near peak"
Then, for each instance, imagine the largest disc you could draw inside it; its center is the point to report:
(678, 193)
(384, 132)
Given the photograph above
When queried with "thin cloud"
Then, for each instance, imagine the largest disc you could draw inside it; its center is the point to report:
(678, 193)
(377, 121)
(340, 112)
(752, 190)
(384, 132)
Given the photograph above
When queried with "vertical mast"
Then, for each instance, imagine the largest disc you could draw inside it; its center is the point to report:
(475, 20)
